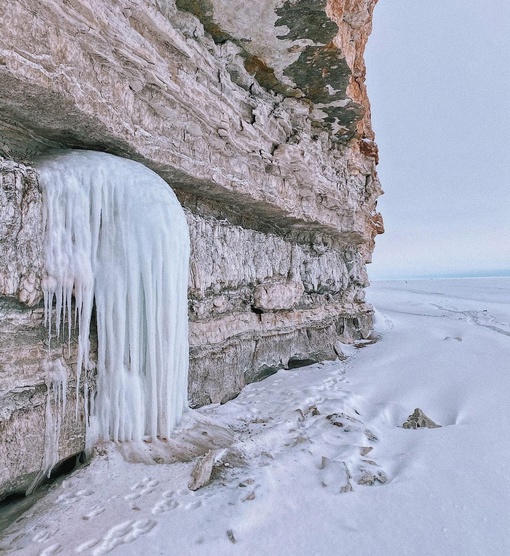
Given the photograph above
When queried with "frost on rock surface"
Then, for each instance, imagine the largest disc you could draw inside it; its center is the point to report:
(117, 240)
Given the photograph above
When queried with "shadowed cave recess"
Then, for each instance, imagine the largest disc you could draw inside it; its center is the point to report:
(261, 126)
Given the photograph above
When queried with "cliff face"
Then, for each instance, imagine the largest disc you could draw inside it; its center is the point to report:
(257, 116)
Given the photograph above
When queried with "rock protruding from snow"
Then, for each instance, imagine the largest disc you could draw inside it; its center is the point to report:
(418, 420)
(201, 474)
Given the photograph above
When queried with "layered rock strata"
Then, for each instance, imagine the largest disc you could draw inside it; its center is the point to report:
(257, 116)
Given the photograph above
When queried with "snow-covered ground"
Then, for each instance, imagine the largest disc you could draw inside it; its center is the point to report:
(320, 463)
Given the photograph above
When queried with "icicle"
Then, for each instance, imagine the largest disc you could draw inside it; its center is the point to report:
(117, 236)
(55, 374)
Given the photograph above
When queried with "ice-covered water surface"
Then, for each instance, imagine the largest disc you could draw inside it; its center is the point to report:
(117, 237)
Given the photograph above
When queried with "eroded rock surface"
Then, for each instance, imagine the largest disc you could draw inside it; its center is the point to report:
(20, 232)
(257, 116)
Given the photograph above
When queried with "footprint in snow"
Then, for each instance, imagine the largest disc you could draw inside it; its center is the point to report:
(328, 383)
(165, 506)
(95, 510)
(145, 486)
(123, 533)
(87, 545)
(68, 497)
(44, 535)
(51, 550)
(193, 505)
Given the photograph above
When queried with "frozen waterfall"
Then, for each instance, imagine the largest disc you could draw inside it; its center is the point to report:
(117, 237)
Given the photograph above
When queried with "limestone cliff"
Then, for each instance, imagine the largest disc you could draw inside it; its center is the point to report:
(257, 115)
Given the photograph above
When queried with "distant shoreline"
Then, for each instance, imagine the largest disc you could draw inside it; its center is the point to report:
(449, 276)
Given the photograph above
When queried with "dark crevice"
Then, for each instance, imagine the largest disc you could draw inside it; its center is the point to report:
(16, 503)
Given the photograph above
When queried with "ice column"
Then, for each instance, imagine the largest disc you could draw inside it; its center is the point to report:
(117, 237)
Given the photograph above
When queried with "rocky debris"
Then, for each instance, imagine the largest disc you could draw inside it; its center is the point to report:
(201, 474)
(418, 420)
(359, 344)
(370, 435)
(231, 537)
(347, 486)
(196, 436)
(336, 475)
(337, 347)
(369, 478)
(228, 397)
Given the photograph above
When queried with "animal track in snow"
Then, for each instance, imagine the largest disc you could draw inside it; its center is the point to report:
(165, 505)
(169, 501)
(478, 318)
(193, 505)
(145, 486)
(51, 550)
(95, 510)
(330, 382)
(123, 533)
(68, 497)
(87, 545)
(44, 535)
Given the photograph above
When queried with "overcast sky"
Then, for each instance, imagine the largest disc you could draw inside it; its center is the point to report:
(438, 76)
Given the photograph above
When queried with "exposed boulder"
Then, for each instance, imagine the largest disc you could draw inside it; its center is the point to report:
(418, 420)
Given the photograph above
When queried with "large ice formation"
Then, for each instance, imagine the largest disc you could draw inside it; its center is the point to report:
(117, 238)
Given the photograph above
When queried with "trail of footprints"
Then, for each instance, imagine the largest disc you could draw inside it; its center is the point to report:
(122, 533)
(170, 502)
(143, 488)
(347, 442)
(345, 464)
(127, 531)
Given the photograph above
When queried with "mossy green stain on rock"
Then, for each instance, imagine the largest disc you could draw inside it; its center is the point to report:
(204, 10)
(265, 75)
(306, 19)
(347, 117)
(321, 73)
